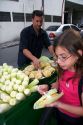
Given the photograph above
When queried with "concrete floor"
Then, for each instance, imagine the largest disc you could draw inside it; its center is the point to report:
(9, 55)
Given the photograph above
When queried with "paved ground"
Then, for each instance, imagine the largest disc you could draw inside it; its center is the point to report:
(9, 53)
(8, 44)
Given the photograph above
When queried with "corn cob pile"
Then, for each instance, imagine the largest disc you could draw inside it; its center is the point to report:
(14, 86)
(46, 69)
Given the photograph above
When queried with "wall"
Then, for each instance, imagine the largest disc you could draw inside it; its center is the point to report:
(15, 15)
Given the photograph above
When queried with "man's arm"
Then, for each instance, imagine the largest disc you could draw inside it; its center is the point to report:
(51, 50)
(34, 59)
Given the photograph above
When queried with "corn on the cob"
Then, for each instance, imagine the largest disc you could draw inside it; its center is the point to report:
(48, 98)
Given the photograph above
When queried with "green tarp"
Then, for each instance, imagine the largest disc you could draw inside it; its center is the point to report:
(23, 113)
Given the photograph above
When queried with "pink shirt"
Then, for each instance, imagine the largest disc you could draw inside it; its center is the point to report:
(70, 91)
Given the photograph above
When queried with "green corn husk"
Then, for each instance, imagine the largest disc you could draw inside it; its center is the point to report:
(33, 83)
(48, 98)
(44, 59)
(34, 88)
(52, 91)
(1, 101)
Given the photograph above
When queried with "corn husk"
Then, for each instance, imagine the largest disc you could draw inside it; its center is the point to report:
(47, 98)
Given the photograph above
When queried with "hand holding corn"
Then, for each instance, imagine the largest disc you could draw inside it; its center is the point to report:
(42, 89)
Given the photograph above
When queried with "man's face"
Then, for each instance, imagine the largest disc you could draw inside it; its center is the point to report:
(37, 22)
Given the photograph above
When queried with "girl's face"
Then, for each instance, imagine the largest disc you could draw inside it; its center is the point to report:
(65, 59)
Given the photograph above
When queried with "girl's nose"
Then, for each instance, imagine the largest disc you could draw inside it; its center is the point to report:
(58, 61)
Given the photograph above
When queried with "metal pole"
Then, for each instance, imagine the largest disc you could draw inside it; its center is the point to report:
(63, 11)
(43, 6)
(43, 12)
(24, 13)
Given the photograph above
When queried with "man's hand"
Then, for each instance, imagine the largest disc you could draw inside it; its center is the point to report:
(34, 59)
(36, 63)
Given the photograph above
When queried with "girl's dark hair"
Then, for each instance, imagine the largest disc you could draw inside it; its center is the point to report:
(37, 13)
(72, 41)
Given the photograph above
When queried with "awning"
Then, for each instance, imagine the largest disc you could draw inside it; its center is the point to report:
(73, 5)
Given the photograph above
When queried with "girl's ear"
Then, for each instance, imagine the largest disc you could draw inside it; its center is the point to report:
(80, 52)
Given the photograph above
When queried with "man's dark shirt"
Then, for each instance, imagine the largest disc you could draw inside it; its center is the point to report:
(33, 42)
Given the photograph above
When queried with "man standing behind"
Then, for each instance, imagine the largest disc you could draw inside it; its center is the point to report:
(32, 41)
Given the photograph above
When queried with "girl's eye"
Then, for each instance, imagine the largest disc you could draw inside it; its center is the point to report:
(64, 57)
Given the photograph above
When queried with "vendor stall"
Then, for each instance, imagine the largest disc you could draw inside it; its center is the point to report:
(21, 111)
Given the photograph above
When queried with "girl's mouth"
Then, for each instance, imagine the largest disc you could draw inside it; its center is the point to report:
(63, 67)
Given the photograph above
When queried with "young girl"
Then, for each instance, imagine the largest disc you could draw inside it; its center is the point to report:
(69, 57)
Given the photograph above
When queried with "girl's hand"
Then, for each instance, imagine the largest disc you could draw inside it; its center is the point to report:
(55, 85)
(42, 89)
(54, 104)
